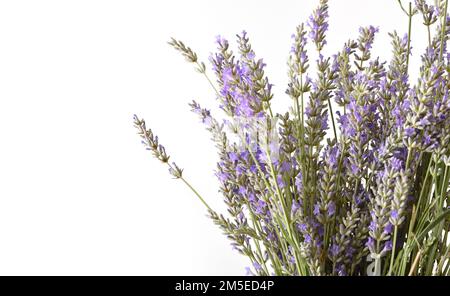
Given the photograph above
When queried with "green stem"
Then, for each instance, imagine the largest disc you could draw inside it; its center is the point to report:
(394, 245)
(276, 217)
(257, 226)
(444, 183)
(443, 31)
(422, 191)
(331, 114)
(410, 15)
(196, 193)
(332, 118)
(303, 103)
(285, 214)
(207, 78)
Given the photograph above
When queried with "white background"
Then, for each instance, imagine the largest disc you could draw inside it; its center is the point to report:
(79, 195)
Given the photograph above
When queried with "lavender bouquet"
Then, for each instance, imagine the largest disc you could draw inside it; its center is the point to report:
(354, 178)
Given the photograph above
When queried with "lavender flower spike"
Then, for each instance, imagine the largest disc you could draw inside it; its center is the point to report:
(318, 25)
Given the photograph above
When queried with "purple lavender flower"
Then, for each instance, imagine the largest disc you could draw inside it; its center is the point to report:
(394, 214)
(261, 207)
(388, 228)
(280, 182)
(248, 271)
(299, 182)
(387, 246)
(334, 250)
(257, 266)
(367, 36)
(331, 209)
(318, 25)
(341, 270)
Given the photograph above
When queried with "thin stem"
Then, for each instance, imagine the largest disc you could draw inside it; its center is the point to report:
(207, 78)
(410, 15)
(444, 185)
(303, 103)
(443, 31)
(332, 118)
(286, 216)
(196, 193)
(422, 191)
(394, 244)
(301, 137)
(414, 265)
(447, 268)
(193, 190)
(270, 109)
(401, 6)
(331, 113)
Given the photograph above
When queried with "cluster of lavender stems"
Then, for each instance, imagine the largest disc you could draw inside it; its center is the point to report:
(354, 178)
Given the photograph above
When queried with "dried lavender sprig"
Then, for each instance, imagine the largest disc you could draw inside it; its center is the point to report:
(429, 14)
(365, 42)
(443, 28)
(298, 65)
(343, 239)
(380, 229)
(317, 124)
(398, 207)
(298, 86)
(409, 13)
(260, 85)
(344, 74)
(191, 57)
(187, 52)
(318, 24)
(398, 203)
(398, 68)
(151, 143)
(216, 129)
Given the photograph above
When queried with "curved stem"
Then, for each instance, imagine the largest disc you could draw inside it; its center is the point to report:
(193, 190)
(207, 78)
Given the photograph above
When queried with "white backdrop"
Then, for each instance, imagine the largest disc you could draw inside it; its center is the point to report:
(79, 195)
